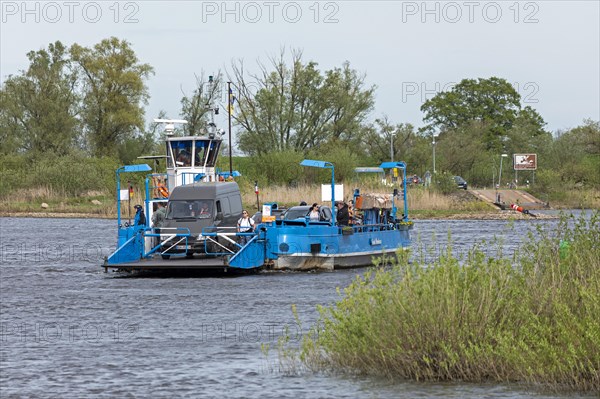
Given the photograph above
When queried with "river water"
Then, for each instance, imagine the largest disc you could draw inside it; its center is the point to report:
(69, 330)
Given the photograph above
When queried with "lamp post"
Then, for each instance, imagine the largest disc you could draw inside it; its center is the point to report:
(229, 110)
(433, 144)
(392, 147)
(500, 174)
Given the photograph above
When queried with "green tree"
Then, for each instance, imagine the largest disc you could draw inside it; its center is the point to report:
(383, 138)
(527, 133)
(344, 157)
(492, 102)
(581, 163)
(141, 143)
(277, 167)
(408, 145)
(463, 152)
(296, 107)
(144, 143)
(114, 91)
(38, 108)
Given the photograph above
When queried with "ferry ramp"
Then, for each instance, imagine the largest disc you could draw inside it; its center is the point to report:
(504, 198)
(172, 264)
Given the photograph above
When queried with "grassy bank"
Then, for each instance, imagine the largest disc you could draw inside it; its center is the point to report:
(90, 203)
(69, 184)
(423, 203)
(530, 318)
(59, 201)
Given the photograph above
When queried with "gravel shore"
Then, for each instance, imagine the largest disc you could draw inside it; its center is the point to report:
(498, 215)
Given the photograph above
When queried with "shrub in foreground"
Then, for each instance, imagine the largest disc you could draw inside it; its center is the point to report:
(530, 318)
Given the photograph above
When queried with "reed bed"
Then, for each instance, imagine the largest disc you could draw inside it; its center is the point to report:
(529, 318)
(61, 201)
(30, 200)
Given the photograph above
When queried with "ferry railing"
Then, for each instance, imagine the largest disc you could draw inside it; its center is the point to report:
(370, 227)
(195, 177)
(174, 237)
(212, 235)
(374, 227)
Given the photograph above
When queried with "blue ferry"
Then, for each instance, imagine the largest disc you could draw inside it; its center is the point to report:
(204, 204)
(381, 225)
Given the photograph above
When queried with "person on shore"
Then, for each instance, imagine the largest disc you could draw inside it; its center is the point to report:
(313, 215)
(342, 216)
(427, 179)
(245, 225)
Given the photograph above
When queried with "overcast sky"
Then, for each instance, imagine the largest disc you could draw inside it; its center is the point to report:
(549, 49)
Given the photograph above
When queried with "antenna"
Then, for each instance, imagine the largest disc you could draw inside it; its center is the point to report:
(170, 124)
(212, 127)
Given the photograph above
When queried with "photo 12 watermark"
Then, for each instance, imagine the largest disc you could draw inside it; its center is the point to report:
(253, 12)
(51, 332)
(424, 91)
(57, 253)
(235, 332)
(54, 12)
(453, 12)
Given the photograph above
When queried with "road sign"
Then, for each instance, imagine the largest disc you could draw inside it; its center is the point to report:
(525, 161)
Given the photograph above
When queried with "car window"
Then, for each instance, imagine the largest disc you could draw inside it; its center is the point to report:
(194, 209)
(296, 212)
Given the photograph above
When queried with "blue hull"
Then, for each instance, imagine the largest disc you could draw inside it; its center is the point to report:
(320, 246)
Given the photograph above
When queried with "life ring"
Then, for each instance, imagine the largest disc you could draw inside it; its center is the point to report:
(163, 191)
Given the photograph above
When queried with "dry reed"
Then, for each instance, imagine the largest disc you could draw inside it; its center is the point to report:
(419, 198)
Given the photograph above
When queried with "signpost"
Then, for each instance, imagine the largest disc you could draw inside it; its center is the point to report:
(525, 162)
(256, 192)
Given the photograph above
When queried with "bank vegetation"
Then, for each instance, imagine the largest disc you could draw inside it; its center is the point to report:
(75, 114)
(528, 317)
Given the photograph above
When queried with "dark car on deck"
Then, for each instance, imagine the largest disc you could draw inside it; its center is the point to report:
(460, 182)
(194, 207)
(296, 212)
(302, 212)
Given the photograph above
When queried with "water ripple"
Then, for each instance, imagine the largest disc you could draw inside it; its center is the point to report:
(69, 330)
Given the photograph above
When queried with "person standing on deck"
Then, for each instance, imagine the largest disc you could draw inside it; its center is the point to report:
(245, 225)
(158, 219)
(140, 216)
(343, 216)
(314, 213)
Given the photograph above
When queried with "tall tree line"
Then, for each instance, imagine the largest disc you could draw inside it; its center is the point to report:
(75, 99)
(91, 100)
